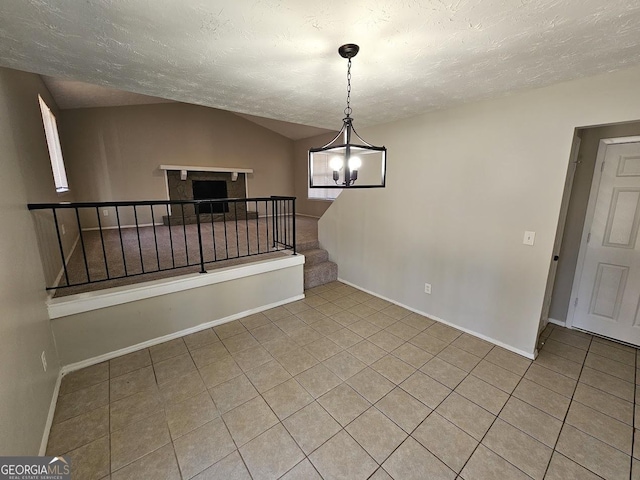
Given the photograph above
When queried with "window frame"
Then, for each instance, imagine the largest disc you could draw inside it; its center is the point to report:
(322, 194)
(55, 150)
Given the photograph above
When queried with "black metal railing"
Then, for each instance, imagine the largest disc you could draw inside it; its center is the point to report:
(116, 240)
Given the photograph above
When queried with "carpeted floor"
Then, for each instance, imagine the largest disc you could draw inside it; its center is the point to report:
(131, 253)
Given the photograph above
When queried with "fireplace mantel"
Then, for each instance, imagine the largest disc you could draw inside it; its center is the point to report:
(188, 168)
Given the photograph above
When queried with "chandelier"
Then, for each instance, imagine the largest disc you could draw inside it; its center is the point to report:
(347, 161)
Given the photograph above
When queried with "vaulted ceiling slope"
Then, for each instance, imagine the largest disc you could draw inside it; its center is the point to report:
(278, 59)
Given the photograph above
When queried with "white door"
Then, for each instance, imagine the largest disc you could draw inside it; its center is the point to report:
(608, 290)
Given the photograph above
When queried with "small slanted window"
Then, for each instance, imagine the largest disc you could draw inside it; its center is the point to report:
(55, 152)
(323, 174)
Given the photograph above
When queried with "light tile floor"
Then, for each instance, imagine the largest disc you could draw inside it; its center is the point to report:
(346, 385)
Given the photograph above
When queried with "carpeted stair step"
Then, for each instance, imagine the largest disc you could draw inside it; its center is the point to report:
(315, 256)
(304, 246)
(319, 274)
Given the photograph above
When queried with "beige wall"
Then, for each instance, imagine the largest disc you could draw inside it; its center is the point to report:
(463, 186)
(36, 169)
(25, 331)
(304, 205)
(577, 209)
(90, 334)
(113, 153)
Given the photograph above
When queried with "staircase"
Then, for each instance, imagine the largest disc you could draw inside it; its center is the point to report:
(318, 270)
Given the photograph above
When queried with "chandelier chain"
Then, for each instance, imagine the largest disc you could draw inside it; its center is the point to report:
(348, 110)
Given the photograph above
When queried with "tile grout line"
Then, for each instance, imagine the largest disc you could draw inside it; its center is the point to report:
(490, 426)
(315, 400)
(396, 385)
(587, 406)
(446, 419)
(633, 419)
(372, 405)
(410, 434)
(564, 421)
(109, 416)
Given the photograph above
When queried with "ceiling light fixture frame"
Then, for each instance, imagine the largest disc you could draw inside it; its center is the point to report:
(348, 153)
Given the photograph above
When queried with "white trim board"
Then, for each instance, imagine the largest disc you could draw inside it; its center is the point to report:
(85, 302)
(193, 168)
(560, 323)
(52, 411)
(438, 319)
(150, 343)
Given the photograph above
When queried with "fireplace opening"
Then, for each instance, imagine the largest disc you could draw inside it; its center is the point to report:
(211, 189)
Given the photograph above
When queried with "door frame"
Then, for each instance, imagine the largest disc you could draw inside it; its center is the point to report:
(588, 220)
(562, 218)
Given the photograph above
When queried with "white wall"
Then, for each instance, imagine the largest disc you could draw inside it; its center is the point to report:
(463, 186)
(25, 331)
(93, 333)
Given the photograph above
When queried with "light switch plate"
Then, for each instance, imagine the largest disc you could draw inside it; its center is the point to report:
(529, 238)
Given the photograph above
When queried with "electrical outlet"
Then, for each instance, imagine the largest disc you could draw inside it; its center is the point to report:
(105, 212)
(43, 357)
(427, 288)
(64, 232)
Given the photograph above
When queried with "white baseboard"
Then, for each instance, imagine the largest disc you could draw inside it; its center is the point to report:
(531, 356)
(561, 323)
(149, 343)
(52, 411)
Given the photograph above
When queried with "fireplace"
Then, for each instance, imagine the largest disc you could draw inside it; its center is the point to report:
(204, 185)
(211, 189)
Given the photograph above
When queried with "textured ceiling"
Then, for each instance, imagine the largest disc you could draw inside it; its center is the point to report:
(73, 94)
(278, 59)
(294, 131)
(70, 94)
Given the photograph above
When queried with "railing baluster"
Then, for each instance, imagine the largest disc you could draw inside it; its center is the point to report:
(274, 213)
(173, 258)
(281, 229)
(84, 251)
(226, 240)
(266, 220)
(258, 226)
(246, 224)
(202, 270)
(235, 210)
(155, 238)
(184, 229)
(286, 223)
(124, 260)
(295, 241)
(213, 233)
(64, 264)
(135, 216)
(104, 250)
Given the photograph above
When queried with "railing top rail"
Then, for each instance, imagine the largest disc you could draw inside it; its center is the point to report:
(43, 206)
